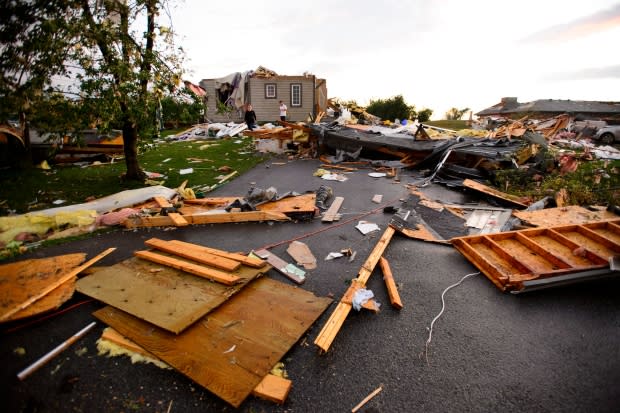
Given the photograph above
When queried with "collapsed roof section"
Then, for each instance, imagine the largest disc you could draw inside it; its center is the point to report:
(509, 106)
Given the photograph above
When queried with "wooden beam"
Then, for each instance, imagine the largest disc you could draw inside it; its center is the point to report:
(391, 285)
(243, 259)
(194, 253)
(290, 271)
(178, 219)
(55, 284)
(162, 202)
(199, 270)
(333, 325)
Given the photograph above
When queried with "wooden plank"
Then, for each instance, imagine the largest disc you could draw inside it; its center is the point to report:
(273, 388)
(162, 202)
(336, 320)
(236, 346)
(332, 212)
(22, 279)
(290, 271)
(199, 270)
(50, 287)
(163, 296)
(572, 214)
(194, 253)
(291, 205)
(243, 259)
(220, 218)
(390, 284)
(177, 219)
(512, 200)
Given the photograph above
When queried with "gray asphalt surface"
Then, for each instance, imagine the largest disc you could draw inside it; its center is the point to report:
(555, 350)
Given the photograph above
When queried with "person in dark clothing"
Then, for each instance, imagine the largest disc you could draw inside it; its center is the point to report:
(250, 118)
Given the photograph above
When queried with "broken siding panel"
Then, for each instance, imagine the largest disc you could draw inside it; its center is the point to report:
(211, 96)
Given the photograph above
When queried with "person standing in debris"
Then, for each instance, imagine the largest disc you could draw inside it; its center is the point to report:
(283, 110)
(250, 117)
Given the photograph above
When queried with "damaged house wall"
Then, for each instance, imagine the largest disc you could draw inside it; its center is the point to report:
(264, 93)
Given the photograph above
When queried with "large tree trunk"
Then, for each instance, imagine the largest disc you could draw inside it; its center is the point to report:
(130, 147)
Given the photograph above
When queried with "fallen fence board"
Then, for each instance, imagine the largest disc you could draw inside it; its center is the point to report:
(236, 346)
(215, 218)
(164, 296)
(509, 259)
(24, 279)
(336, 320)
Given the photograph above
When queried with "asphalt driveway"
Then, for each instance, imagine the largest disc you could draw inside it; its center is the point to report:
(555, 350)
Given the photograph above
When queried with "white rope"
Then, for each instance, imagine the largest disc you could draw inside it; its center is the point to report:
(443, 307)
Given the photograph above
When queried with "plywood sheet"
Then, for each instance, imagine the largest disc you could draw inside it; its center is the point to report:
(166, 297)
(233, 348)
(23, 279)
(573, 214)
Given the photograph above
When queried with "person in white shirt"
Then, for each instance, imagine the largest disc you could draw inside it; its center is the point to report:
(283, 110)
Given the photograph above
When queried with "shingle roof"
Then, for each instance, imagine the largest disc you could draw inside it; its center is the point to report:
(552, 105)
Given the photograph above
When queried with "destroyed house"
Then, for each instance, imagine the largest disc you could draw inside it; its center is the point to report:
(546, 108)
(304, 95)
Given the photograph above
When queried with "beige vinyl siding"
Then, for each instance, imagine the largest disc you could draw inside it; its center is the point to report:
(235, 116)
(268, 110)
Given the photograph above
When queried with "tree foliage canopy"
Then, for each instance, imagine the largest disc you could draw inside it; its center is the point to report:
(115, 56)
(392, 108)
(455, 113)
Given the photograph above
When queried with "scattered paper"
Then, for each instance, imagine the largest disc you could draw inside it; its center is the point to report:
(377, 174)
(333, 256)
(377, 199)
(334, 177)
(59, 201)
(366, 227)
(186, 171)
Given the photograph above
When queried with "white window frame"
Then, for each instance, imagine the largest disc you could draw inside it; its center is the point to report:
(296, 94)
(272, 86)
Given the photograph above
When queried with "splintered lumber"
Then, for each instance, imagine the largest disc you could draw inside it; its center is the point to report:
(166, 297)
(194, 253)
(243, 259)
(52, 286)
(260, 324)
(333, 325)
(23, 279)
(199, 270)
(510, 199)
(390, 284)
(289, 270)
(332, 212)
(273, 388)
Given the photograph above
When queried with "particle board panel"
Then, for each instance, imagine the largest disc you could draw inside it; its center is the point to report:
(23, 279)
(572, 214)
(230, 350)
(164, 296)
(511, 258)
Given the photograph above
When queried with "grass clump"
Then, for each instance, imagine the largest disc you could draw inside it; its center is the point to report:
(24, 190)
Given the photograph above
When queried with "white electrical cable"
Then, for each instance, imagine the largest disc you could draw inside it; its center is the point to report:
(443, 307)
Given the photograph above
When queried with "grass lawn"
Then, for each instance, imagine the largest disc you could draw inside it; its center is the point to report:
(24, 190)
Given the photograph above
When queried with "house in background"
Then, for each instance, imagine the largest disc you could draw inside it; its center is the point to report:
(304, 95)
(509, 107)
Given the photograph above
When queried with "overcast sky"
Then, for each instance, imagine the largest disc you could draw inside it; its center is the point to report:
(437, 54)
